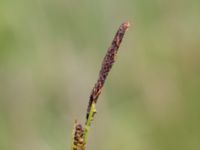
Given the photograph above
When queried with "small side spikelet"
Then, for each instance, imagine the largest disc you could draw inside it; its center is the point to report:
(78, 140)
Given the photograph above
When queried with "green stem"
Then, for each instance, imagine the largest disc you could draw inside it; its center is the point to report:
(88, 121)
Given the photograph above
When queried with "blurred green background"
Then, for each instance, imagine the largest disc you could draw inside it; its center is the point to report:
(50, 55)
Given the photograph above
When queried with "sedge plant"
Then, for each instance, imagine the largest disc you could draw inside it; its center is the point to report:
(80, 133)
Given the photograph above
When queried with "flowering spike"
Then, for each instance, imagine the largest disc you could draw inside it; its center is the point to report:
(107, 63)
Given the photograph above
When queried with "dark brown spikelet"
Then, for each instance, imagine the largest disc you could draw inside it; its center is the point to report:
(107, 63)
(78, 137)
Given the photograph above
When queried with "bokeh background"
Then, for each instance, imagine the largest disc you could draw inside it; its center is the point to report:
(50, 55)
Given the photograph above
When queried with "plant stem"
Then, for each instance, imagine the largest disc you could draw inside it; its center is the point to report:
(89, 120)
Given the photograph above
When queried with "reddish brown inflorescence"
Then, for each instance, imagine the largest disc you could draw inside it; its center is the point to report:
(107, 63)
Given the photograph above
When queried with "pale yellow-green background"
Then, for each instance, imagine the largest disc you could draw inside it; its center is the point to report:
(50, 54)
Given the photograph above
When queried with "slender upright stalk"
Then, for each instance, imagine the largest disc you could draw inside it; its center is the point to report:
(108, 61)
